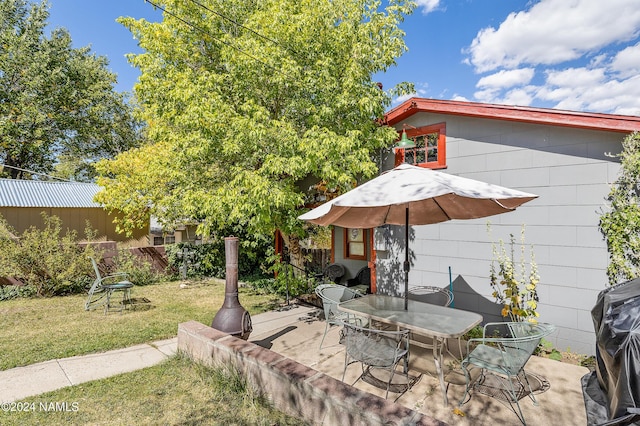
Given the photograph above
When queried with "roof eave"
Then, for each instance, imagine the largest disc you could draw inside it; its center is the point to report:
(547, 116)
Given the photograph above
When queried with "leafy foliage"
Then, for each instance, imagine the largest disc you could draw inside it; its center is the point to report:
(245, 103)
(57, 103)
(139, 270)
(514, 282)
(621, 224)
(46, 259)
(208, 260)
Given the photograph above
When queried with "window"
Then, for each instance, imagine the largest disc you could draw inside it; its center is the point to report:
(430, 150)
(355, 244)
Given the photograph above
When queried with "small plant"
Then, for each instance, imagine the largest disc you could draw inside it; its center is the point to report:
(546, 347)
(474, 333)
(514, 282)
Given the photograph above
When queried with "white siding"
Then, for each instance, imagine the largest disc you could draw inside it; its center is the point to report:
(570, 170)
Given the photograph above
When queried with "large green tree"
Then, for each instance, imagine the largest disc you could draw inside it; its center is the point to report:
(58, 105)
(244, 100)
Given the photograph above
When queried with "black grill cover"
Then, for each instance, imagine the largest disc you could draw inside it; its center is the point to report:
(612, 391)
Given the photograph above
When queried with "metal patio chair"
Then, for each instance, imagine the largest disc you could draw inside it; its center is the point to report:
(436, 296)
(379, 349)
(331, 295)
(503, 350)
(431, 294)
(103, 288)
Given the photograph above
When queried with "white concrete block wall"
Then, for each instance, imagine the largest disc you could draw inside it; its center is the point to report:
(572, 173)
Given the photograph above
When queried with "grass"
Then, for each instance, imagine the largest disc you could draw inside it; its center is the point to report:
(35, 330)
(177, 392)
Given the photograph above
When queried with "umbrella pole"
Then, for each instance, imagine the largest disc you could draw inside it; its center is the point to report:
(406, 260)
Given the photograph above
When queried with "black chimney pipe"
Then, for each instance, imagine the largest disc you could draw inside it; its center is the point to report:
(232, 318)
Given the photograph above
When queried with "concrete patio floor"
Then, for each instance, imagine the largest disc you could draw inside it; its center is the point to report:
(296, 333)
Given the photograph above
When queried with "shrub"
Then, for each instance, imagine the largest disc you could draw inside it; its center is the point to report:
(51, 262)
(8, 292)
(140, 270)
(620, 224)
(208, 259)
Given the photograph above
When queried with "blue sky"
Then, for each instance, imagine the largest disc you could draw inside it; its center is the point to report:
(581, 55)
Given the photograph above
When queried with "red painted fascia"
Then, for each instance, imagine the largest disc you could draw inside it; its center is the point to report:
(553, 117)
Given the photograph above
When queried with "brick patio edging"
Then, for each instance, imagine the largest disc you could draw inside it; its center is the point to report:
(294, 388)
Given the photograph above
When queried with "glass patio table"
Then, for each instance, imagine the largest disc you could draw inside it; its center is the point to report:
(438, 322)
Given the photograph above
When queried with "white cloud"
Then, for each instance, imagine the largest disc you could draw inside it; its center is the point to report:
(627, 61)
(576, 77)
(421, 91)
(460, 98)
(507, 78)
(487, 95)
(554, 31)
(584, 55)
(428, 6)
(521, 96)
(581, 89)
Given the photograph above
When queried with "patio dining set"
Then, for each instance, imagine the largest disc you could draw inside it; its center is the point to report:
(379, 333)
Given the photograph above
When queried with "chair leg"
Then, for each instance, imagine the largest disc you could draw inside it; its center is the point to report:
(514, 396)
(531, 395)
(326, 329)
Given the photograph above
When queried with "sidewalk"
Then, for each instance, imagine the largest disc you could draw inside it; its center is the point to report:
(34, 379)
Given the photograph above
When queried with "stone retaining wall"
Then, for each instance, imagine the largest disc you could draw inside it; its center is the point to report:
(292, 387)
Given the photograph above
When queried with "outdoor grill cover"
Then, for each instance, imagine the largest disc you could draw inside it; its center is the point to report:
(612, 391)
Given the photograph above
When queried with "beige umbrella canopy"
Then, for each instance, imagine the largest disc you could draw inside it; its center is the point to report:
(410, 195)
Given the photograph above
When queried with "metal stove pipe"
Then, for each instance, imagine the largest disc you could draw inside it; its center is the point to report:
(232, 318)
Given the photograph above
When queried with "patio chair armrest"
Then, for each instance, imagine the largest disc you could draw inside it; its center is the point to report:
(118, 276)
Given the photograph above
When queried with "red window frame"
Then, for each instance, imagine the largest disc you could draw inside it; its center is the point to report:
(441, 147)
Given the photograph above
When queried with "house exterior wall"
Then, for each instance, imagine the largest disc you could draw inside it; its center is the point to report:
(22, 218)
(571, 172)
(351, 266)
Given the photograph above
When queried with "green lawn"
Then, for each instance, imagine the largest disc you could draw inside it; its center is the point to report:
(35, 330)
(176, 392)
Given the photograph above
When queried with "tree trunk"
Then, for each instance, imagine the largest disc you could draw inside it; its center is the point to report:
(296, 258)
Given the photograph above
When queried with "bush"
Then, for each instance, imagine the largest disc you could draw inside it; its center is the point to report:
(208, 260)
(51, 262)
(140, 270)
(8, 292)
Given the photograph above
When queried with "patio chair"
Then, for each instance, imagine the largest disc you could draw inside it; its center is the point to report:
(431, 294)
(378, 349)
(362, 281)
(503, 350)
(331, 295)
(103, 288)
(435, 296)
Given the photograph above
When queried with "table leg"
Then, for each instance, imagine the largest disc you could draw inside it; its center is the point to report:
(437, 358)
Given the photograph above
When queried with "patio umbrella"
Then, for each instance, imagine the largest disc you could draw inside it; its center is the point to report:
(410, 195)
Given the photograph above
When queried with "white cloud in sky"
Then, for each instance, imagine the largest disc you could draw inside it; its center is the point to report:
(421, 91)
(578, 54)
(507, 78)
(627, 61)
(428, 5)
(555, 31)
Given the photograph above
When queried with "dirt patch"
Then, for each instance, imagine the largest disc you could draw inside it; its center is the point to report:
(571, 358)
